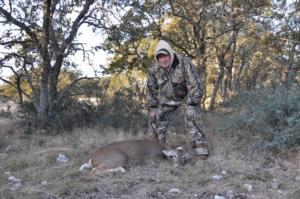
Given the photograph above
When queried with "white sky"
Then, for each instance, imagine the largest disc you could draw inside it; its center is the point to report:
(99, 58)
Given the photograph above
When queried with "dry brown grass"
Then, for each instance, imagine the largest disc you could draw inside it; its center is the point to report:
(33, 159)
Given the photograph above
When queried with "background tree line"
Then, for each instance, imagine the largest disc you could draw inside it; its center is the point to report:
(237, 46)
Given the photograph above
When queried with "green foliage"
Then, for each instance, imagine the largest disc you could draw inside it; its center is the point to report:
(273, 115)
(120, 111)
(115, 101)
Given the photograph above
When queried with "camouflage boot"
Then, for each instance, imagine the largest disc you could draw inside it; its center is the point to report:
(200, 149)
(159, 124)
(197, 140)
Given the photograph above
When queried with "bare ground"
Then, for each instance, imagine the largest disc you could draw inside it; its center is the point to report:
(32, 159)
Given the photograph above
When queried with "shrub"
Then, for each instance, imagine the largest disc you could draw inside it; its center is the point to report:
(272, 114)
(120, 111)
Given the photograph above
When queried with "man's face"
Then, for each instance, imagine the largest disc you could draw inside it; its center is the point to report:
(164, 60)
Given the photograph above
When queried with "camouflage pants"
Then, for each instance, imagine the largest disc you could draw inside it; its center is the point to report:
(195, 135)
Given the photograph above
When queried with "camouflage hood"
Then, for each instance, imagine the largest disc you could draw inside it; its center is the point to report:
(163, 45)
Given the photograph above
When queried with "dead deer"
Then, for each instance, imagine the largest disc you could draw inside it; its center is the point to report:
(116, 156)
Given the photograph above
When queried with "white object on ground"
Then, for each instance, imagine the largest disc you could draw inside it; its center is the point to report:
(219, 197)
(14, 179)
(216, 177)
(15, 183)
(223, 172)
(62, 158)
(248, 187)
(44, 183)
(174, 191)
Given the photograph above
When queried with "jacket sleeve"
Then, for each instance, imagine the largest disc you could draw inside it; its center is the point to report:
(193, 83)
(152, 89)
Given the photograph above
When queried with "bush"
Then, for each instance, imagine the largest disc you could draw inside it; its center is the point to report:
(274, 115)
(120, 111)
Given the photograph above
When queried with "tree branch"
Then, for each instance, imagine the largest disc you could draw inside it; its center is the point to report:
(76, 24)
(68, 88)
(16, 22)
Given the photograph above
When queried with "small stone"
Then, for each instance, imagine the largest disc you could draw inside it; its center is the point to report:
(44, 183)
(174, 191)
(14, 179)
(223, 172)
(219, 197)
(62, 158)
(230, 194)
(248, 187)
(216, 177)
(297, 178)
(7, 173)
(16, 186)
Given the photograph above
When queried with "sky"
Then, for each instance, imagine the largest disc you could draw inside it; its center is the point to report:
(99, 58)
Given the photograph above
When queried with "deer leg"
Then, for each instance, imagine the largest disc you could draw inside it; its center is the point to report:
(115, 163)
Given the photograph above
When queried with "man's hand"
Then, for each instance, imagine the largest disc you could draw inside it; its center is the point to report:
(192, 113)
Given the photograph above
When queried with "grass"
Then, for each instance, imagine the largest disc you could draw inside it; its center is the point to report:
(33, 159)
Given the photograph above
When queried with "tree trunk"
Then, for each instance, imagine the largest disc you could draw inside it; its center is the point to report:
(53, 93)
(236, 82)
(290, 73)
(227, 83)
(224, 86)
(218, 81)
(19, 89)
(43, 102)
(46, 67)
(202, 61)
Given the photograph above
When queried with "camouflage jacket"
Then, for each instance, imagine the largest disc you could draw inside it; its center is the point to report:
(180, 84)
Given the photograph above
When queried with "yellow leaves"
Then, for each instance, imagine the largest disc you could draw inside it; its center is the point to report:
(267, 8)
(63, 80)
(125, 80)
(117, 82)
(170, 24)
(151, 49)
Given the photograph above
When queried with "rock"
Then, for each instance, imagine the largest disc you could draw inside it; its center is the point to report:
(248, 187)
(174, 191)
(230, 194)
(219, 197)
(16, 186)
(44, 183)
(224, 172)
(62, 158)
(14, 179)
(7, 173)
(216, 177)
(297, 178)
(15, 183)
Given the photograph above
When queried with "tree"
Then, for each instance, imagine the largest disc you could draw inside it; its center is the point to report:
(44, 34)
